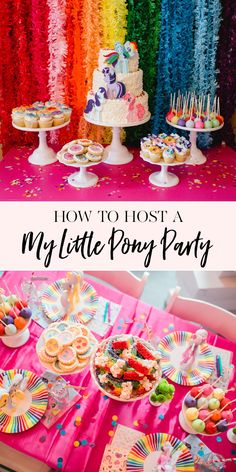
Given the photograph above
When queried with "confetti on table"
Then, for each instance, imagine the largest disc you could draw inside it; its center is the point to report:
(62, 432)
(111, 433)
(76, 444)
(135, 423)
(114, 418)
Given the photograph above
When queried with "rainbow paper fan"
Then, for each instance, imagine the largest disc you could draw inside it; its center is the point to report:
(30, 410)
(171, 349)
(144, 454)
(84, 311)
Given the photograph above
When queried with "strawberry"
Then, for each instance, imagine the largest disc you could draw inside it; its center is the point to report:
(132, 375)
(120, 345)
(144, 351)
(138, 366)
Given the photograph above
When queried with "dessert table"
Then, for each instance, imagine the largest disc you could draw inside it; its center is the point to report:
(65, 445)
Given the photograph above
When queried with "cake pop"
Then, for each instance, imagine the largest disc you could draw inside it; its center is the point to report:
(207, 390)
(181, 122)
(215, 123)
(26, 313)
(8, 320)
(213, 404)
(225, 403)
(192, 414)
(202, 402)
(216, 416)
(190, 124)
(20, 322)
(222, 426)
(203, 414)
(198, 425)
(218, 393)
(190, 401)
(195, 391)
(199, 124)
(175, 120)
(210, 427)
(208, 124)
(227, 415)
(2, 329)
(10, 330)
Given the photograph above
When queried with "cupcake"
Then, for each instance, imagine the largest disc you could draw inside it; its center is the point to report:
(39, 105)
(31, 120)
(181, 154)
(58, 118)
(169, 155)
(155, 154)
(67, 112)
(146, 143)
(50, 103)
(18, 117)
(45, 120)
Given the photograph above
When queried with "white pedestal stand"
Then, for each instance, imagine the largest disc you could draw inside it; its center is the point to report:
(163, 178)
(43, 154)
(231, 436)
(116, 153)
(197, 157)
(83, 178)
(18, 339)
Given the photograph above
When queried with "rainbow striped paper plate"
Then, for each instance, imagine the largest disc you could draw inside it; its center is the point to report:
(171, 349)
(145, 453)
(29, 410)
(84, 311)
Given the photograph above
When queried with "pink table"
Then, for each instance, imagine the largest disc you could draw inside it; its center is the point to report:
(96, 410)
(214, 180)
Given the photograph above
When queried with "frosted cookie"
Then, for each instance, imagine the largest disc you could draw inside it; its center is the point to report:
(66, 338)
(68, 158)
(85, 142)
(50, 333)
(52, 347)
(82, 363)
(93, 157)
(95, 149)
(81, 159)
(75, 330)
(68, 368)
(81, 344)
(56, 367)
(62, 326)
(87, 354)
(76, 149)
(67, 355)
(85, 331)
(45, 357)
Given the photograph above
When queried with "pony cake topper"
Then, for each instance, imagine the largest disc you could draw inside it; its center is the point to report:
(94, 105)
(166, 461)
(119, 57)
(114, 89)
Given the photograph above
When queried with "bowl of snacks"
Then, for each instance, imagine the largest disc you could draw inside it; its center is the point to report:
(206, 410)
(65, 348)
(125, 367)
(163, 393)
(15, 318)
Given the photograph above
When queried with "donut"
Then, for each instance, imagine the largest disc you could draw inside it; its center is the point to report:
(85, 142)
(66, 338)
(96, 149)
(81, 344)
(67, 355)
(52, 347)
(93, 157)
(76, 149)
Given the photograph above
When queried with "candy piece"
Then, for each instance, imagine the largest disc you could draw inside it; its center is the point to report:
(26, 313)
(203, 414)
(10, 330)
(190, 401)
(218, 393)
(20, 322)
(202, 402)
(211, 427)
(81, 344)
(198, 425)
(121, 345)
(194, 391)
(207, 390)
(52, 347)
(225, 402)
(216, 416)
(132, 375)
(138, 366)
(222, 426)
(192, 414)
(213, 404)
(8, 320)
(227, 415)
(144, 351)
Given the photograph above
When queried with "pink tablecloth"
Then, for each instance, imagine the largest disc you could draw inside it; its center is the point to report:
(214, 180)
(96, 410)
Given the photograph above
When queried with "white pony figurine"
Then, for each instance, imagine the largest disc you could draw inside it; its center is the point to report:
(166, 461)
(71, 291)
(190, 354)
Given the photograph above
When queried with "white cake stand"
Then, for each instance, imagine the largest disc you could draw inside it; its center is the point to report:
(116, 153)
(197, 157)
(43, 154)
(163, 178)
(83, 178)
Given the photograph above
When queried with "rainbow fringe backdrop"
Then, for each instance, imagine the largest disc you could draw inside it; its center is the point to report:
(49, 49)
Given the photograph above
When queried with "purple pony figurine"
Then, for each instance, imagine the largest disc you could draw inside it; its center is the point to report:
(96, 103)
(114, 89)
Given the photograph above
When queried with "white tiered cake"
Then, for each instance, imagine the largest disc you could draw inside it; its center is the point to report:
(117, 96)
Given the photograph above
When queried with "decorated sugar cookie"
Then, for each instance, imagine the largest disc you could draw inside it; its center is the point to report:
(85, 331)
(76, 149)
(65, 338)
(81, 344)
(52, 346)
(45, 357)
(75, 330)
(85, 142)
(50, 333)
(70, 367)
(62, 326)
(96, 149)
(67, 355)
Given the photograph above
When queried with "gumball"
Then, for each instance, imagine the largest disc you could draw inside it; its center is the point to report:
(218, 393)
(26, 313)
(216, 416)
(225, 402)
(211, 427)
(2, 330)
(203, 414)
(8, 320)
(222, 426)
(190, 401)
(207, 390)
(10, 330)
(20, 322)
(194, 391)
(192, 414)
(213, 404)
(202, 402)
(198, 426)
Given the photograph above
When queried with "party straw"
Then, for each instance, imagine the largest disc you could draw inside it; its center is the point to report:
(105, 312)
(219, 366)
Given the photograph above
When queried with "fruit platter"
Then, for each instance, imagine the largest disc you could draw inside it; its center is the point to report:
(65, 348)
(125, 368)
(206, 410)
